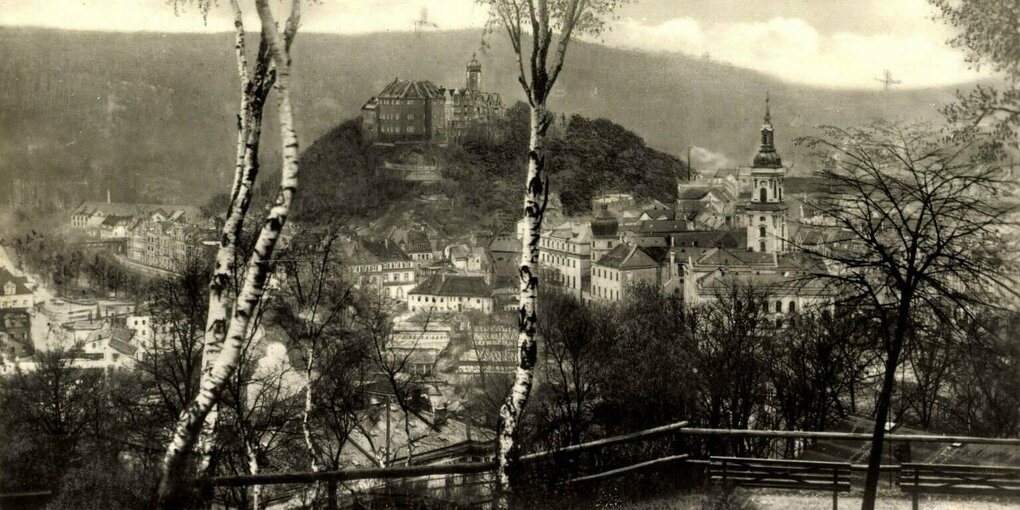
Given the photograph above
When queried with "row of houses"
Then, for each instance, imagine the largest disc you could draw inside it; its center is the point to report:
(165, 237)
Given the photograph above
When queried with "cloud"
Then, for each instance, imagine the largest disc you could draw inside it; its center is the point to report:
(896, 35)
(793, 50)
(335, 16)
(706, 159)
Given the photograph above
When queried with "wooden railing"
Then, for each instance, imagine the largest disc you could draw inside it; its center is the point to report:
(544, 459)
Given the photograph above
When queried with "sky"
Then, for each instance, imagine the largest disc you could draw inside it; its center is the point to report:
(831, 43)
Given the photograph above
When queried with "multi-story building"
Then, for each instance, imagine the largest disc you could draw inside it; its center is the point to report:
(381, 264)
(624, 266)
(14, 291)
(786, 277)
(451, 293)
(92, 216)
(421, 111)
(169, 242)
(565, 253)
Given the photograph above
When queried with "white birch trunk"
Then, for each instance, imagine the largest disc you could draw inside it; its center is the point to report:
(172, 492)
(253, 468)
(219, 298)
(534, 206)
(306, 426)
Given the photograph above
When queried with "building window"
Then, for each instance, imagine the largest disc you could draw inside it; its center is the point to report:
(761, 245)
(793, 306)
(779, 306)
(761, 231)
(762, 194)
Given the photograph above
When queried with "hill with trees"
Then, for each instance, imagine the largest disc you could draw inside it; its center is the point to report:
(587, 157)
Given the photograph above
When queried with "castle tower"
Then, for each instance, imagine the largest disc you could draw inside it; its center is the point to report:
(766, 214)
(474, 74)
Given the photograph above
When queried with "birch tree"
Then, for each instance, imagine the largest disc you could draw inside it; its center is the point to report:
(551, 25)
(920, 219)
(228, 317)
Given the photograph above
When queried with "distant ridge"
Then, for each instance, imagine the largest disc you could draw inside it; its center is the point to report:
(154, 113)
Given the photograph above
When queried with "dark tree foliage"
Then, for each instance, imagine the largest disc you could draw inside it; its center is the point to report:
(989, 32)
(586, 156)
(597, 156)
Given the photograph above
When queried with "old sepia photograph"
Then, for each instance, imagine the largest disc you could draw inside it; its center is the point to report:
(509, 254)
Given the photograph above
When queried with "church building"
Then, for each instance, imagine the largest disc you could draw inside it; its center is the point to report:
(766, 212)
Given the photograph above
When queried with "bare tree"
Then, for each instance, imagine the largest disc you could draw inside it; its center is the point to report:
(551, 25)
(314, 312)
(228, 320)
(571, 367)
(399, 365)
(919, 219)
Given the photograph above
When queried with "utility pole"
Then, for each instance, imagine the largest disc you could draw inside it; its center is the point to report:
(689, 172)
(887, 80)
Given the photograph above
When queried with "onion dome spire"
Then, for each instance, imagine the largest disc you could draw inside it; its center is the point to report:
(767, 156)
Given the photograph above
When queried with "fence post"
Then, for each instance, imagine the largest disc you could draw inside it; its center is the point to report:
(914, 500)
(835, 488)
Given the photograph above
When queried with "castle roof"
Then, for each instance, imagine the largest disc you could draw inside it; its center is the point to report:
(411, 89)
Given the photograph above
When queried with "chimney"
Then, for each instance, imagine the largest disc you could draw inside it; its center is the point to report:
(108, 195)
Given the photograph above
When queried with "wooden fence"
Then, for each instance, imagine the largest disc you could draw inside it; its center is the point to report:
(543, 459)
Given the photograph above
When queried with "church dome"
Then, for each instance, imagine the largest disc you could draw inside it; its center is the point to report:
(474, 65)
(604, 224)
(767, 157)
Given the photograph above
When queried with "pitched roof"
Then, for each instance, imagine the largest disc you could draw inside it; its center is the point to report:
(572, 231)
(505, 243)
(411, 89)
(798, 284)
(454, 285)
(734, 239)
(661, 226)
(128, 210)
(737, 257)
(20, 282)
(373, 251)
(626, 256)
(693, 192)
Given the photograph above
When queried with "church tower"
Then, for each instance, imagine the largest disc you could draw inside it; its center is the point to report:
(766, 214)
(474, 74)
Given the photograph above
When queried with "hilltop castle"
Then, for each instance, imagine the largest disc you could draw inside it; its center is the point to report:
(420, 111)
